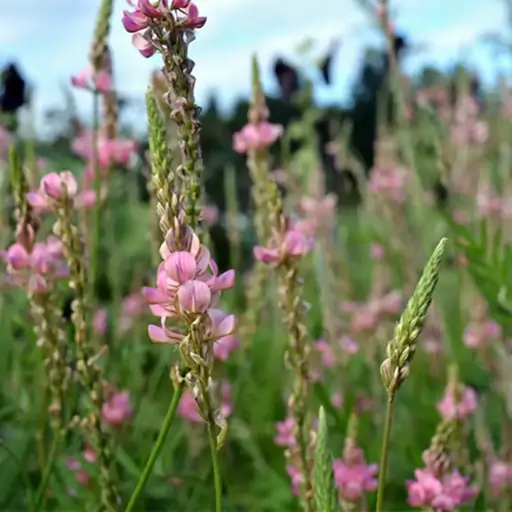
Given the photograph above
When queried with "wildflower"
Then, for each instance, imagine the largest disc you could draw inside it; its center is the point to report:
(337, 399)
(293, 244)
(327, 352)
(285, 432)
(450, 407)
(442, 494)
(100, 82)
(477, 333)
(348, 345)
(117, 409)
(389, 182)
(256, 137)
(224, 346)
(353, 477)
(377, 252)
(500, 477)
(100, 321)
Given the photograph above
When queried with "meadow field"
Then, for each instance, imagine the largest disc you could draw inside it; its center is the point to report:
(284, 322)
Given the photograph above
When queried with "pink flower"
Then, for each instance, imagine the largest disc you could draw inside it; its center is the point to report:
(285, 433)
(53, 187)
(337, 400)
(100, 82)
(210, 214)
(192, 19)
(110, 151)
(224, 346)
(320, 208)
(296, 478)
(443, 494)
(118, 409)
(348, 345)
(377, 252)
(353, 477)
(477, 333)
(100, 321)
(294, 244)
(389, 183)
(256, 137)
(328, 356)
(449, 408)
(500, 477)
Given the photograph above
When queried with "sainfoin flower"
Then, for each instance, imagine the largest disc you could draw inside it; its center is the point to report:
(137, 22)
(117, 409)
(188, 286)
(224, 346)
(500, 477)
(293, 244)
(35, 269)
(442, 494)
(353, 476)
(256, 137)
(285, 432)
(54, 188)
(100, 82)
(451, 407)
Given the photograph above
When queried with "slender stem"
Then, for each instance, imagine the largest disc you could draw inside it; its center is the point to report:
(47, 471)
(156, 448)
(97, 189)
(215, 464)
(383, 465)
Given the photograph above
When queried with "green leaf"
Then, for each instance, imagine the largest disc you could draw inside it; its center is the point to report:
(326, 497)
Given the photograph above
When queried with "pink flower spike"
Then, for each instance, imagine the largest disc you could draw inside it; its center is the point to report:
(145, 47)
(134, 21)
(194, 297)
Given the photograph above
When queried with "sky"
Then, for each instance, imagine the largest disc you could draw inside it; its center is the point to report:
(50, 40)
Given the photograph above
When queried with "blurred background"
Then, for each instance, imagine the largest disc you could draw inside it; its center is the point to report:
(50, 40)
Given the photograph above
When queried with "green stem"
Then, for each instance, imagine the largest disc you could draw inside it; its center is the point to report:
(47, 472)
(215, 464)
(383, 465)
(156, 448)
(97, 188)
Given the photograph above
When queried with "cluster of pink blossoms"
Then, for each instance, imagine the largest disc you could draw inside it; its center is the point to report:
(52, 189)
(353, 476)
(188, 286)
(490, 204)
(459, 407)
(35, 267)
(440, 494)
(82, 471)
(184, 13)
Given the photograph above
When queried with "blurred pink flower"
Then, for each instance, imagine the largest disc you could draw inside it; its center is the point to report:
(477, 334)
(443, 494)
(118, 409)
(377, 252)
(100, 321)
(349, 345)
(293, 244)
(450, 408)
(188, 409)
(327, 352)
(353, 477)
(285, 432)
(100, 82)
(337, 400)
(210, 214)
(500, 477)
(256, 137)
